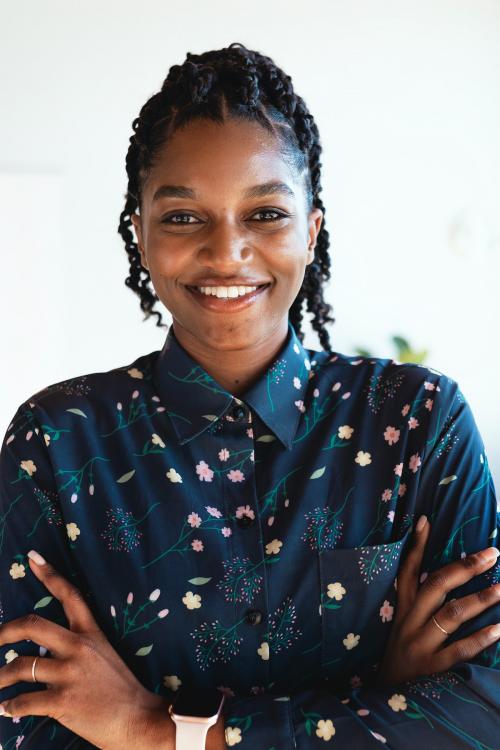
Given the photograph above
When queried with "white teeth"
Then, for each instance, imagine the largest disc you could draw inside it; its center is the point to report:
(226, 291)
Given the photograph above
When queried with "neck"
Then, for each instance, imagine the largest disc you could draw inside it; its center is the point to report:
(235, 370)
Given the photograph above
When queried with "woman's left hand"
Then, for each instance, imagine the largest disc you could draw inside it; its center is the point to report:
(90, 689)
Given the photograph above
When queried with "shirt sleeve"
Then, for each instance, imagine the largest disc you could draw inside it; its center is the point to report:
(459, 708)
(30, 518)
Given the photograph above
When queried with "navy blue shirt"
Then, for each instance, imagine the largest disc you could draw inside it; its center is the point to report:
(252, 543)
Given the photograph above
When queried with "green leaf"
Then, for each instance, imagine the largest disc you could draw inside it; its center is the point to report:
(43, 602)
(78, 411)
(210, 417)
(266, 439)
(199, 581)
(449, 479)
(144, 651)
(318, 473)
(126, 477)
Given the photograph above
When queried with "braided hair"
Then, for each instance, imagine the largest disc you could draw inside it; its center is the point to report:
(233, 81)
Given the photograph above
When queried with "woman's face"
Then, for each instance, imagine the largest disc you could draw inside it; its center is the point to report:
(209, 232)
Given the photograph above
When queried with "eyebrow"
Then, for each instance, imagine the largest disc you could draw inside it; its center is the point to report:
(256, 191)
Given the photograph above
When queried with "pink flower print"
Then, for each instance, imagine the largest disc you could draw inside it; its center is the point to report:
(391, 435)
(414, 462)
(296, 382)
(386, 495)
(300, 405)
(398, 469)
(390, 516)
(244, 510)
(429, 403)
(226, 531)
(336, 386)
(250, 432)
(346, 395)
(235, 475)
(386, 611)
(194, 520)
(316, 392)
(405, 410)
(412, 423)
(402, 489)
(224, 454)
(252, 456)
(135, 394)
(197, 545)
(213, 511)
(429, 386)
(204, 471)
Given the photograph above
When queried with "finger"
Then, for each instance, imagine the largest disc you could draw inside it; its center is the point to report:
(432, 593)
(60, 641)
(36, 703)
(409, 571)
(457, 611)
(76, 609)
(20, 669)
(465, 649)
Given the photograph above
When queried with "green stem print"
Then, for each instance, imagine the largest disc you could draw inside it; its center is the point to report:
(129, 623)
(122, 533)
(269, 502)
(324, 527)
(447, 554)
(76, 476)
(199, 377)
(274, 375)
(137, 409)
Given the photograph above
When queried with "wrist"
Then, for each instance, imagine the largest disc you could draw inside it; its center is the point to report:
(156, 729)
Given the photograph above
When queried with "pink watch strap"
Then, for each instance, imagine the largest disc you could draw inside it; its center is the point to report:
(191, 735)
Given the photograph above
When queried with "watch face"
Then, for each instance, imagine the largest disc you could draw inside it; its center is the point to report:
(203, 702)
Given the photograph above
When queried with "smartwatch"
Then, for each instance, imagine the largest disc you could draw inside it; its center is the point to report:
(194, 711)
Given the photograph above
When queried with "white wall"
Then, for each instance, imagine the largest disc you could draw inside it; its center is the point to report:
(407, 98)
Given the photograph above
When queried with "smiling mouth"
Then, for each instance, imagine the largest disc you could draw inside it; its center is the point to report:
(221, 304)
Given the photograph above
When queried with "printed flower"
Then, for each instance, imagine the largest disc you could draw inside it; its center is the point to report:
(335, 591)
(386, 611)
(135, 394)
(250, 432)
(363, 712)
(402, 490)
(17, 570)
(316, 392)
(336, 386)
(325, 729)
(73, 531)
(263, 651)
(156, 440)
(233, 735)
(351, 641)
(414, 462)
(379, 737)
(235, 475)
(172, 682)
(429, 403)
(300, 405)
(204, 472)
(390, 516)
(74, 497)
(223, 454)
(135, 373)
(226, 531)
(296, 383)
(307, 364)
(397, 702)
(173, 476)
(391, 434)
(46, 438)
(296, 348)
(153, 597)
(345, 432)
(386, 495)
(194, 520)
(273, 548)
(29, 467)
(11, 655)
(197, 545)
(413, 423)
(192, 601)
(347, 395)
(363, 458)
(429, 386)
(213, 511)
(244, 510)
(398, 469)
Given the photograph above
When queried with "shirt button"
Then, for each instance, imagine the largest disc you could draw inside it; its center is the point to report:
(239, 413)
(254, 616)
(245, 521)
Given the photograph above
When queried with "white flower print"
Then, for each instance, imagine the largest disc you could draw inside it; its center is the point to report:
(351, 641)
(263, 651)
(192, 601)
(173, 475)
(397, 702)
(325, 729)
(336, 591)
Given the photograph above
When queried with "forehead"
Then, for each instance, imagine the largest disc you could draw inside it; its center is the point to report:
(210, 156)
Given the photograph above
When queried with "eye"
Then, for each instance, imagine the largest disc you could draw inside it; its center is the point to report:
(169, 219)
(277, 214)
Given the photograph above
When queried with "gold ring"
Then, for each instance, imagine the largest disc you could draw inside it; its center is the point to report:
(439, 626)
(33, 670)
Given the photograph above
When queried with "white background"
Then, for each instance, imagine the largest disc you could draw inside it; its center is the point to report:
(406, 96)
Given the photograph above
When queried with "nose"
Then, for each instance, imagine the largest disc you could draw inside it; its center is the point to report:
(226, 245)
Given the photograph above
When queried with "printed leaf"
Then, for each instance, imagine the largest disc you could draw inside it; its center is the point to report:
(144, 651)
(447, 480)
(493, 534)
(266, 439)
(126, 477)
(199, 581)
(211, 417)
(43, 602)
(78, 411)
(318, 473)
(282, 698)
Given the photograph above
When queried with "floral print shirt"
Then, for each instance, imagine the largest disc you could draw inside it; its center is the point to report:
(252, 544)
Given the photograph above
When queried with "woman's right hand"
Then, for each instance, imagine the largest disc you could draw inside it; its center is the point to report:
(416, 646)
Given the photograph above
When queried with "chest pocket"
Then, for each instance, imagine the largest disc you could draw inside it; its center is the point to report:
(358, 603)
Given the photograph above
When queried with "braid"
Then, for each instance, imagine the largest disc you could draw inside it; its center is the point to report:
(244, 83)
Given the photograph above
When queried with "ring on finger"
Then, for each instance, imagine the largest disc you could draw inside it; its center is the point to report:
(439, 626)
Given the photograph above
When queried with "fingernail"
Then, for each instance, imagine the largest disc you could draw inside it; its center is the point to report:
(490, 554)
(495, 630)
(36, 557)
(421, 523)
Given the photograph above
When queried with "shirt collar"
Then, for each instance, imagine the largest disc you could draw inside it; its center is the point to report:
(194, 400)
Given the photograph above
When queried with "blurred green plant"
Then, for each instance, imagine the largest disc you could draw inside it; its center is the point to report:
(404, 352)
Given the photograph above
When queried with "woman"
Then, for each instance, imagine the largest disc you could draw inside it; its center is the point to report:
(225, 518)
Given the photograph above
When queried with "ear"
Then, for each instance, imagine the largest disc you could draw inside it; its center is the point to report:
(136, 221)
(315, 221)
